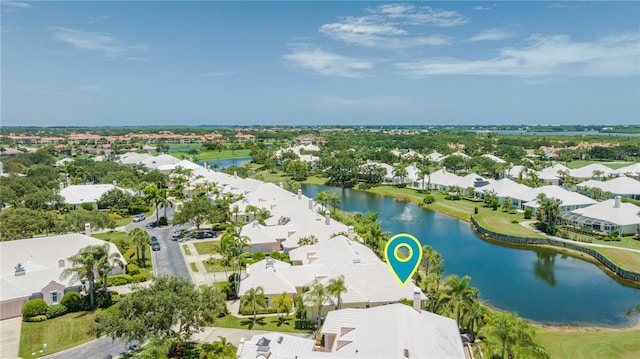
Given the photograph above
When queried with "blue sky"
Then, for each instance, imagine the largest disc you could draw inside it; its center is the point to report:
(320, 63)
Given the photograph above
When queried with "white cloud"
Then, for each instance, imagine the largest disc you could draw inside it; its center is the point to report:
(481, 8)
(372, 31)
(315, 59)
(414, 15)
(107, 44)
(491, 35)
(614, 55)
(16, 4)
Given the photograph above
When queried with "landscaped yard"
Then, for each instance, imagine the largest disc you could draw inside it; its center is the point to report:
(186, 249)
(278, 177)
(269, 323)
(587, 343)
(212, 155)
(59, 334)
(121, 239)
(215, 266)
(207, 247)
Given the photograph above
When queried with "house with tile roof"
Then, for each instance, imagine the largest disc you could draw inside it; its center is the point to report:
(607, 216)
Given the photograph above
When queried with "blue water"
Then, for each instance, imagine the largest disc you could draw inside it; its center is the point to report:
(228, 162)
(539, 285)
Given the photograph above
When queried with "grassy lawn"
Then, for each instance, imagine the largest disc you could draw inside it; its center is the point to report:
(496, 221)
(186, 249)
(208, 247)
(59, 334)
(596, 343)
(611, 164)
(212, 155)
(269, 323)
(194, 267)
(215, 266)
(279, 177)
(625, 259)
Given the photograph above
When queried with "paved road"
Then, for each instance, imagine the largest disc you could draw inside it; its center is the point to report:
(168, 260)
(99, 348)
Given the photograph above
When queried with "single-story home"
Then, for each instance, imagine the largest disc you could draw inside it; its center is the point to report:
(76, 195)
(619, 186)
(30, 269)
(606, 216)
(569, 200)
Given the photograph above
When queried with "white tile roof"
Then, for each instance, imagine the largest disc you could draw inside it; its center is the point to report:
(619, 185)
(587, 171)
(494, 158)
(633, 170)
(626, 214)
(504, 188)
(280, 345)
(387, 331)
(153, 162)
(90, 193)
(39, 256)
(568, 198)
(132, 158)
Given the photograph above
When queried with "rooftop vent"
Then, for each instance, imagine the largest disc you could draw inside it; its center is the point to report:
(280, 339)
(263, 347)
(19, 270)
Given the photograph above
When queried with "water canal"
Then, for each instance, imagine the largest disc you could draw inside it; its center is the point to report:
(539, 284)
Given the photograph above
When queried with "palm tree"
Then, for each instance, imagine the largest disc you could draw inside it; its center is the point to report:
(336, 287)
(597, 174)
(254, 299)
(152, 197)
(140, 238)
(235, 211)
(251, 209)
(400, 172)
(425, 171)
(548, 211)
(232, 246)
(316, 296)
(106, 264)
(283, 305)
(323, 198)
(515, 337)
(334, 200)
(84, 265)
(475, 318)
(459, 295)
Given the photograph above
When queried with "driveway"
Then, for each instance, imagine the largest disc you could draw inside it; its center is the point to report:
(10, 337)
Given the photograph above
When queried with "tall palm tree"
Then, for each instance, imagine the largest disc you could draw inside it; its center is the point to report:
(334, 200)
(106, 264)
(283, 305)
(152, 197)
(254, 299)
(475, 318)
(400, 172)
(84, 265)
(140, 238)
(316, 296)
(425, 171)
(548, 211)
(459, 294)
(235, 210)
(232, 246)
(336, 287)
(251, 209)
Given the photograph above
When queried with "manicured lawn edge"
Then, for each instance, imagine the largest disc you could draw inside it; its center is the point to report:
(60, 333)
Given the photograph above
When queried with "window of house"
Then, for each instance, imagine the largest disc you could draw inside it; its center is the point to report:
(54, 297)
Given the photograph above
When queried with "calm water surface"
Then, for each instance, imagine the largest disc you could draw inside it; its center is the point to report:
(540, 285)
(228, 162)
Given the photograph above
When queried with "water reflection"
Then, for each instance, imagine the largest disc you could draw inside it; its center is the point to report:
(543, 267)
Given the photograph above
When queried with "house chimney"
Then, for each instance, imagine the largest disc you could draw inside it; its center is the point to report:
(327, 217)
(310, 204)
(87, 229)
(299, 194)
(616, 204)
(19, 270)
(417, 303)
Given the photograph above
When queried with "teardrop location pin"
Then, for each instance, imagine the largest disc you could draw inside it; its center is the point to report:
(403, 253)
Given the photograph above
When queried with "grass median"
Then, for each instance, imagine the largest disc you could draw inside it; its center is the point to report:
(60, 333)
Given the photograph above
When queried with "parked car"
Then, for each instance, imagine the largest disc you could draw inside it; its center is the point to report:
(153, 224)
(154, 240)
(155, 246)
(205, 234)
(177, 233)
(139, 217)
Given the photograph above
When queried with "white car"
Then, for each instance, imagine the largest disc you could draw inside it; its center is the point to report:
(139, 218)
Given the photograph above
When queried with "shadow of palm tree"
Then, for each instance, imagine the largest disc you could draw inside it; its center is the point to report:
(249, 322)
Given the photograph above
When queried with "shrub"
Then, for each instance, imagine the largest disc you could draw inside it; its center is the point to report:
(36, 318)
(428, 199)
(249, 311)
(105, 301)
(56, 310)
(72, 301)
(527, 213)
(140, 277)
(475, 210)
(129, 253)
(514, 221)
(258, 256)
(34, 307)
(87, 206)
(132, 269)
(304, 324)
(115, 216)
(119, 279)
(163, 221)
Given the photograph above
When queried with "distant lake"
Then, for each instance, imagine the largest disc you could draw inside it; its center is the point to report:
(228, 162)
